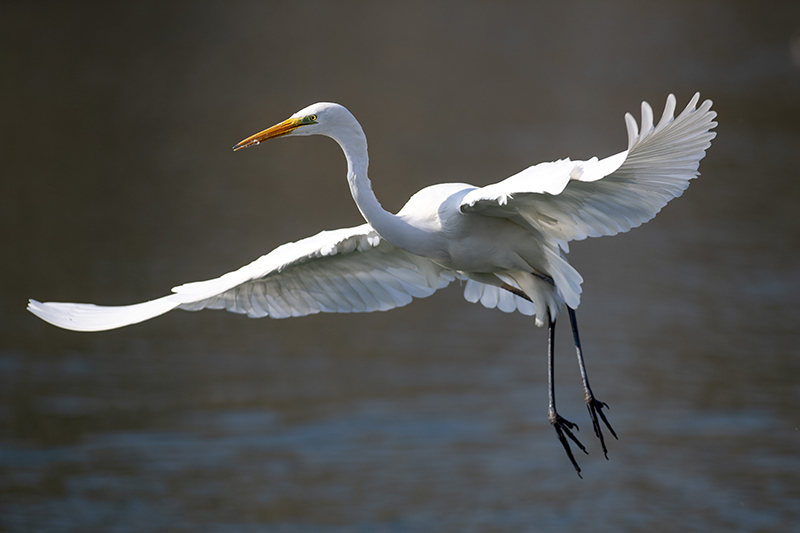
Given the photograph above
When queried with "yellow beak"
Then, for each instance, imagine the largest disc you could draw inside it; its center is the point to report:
(285, 127)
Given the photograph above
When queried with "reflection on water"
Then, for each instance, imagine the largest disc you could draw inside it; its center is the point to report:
(427, 418)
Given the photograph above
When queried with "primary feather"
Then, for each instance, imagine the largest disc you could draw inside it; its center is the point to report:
(572, 200)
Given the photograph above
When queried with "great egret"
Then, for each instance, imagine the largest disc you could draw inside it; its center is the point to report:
(506, 240)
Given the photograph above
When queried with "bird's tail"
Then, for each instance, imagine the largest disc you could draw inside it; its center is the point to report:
(90, 317)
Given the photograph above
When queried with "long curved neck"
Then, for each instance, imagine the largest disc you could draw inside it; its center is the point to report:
(391, 227)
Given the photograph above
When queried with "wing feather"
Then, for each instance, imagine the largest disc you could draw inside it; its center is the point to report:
(342, 271)
(345, 271)
(572, 200)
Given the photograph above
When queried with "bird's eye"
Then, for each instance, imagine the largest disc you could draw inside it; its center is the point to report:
(312, 118)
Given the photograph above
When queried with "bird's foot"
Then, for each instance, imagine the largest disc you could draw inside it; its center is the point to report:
(564, 426)
(596, 408)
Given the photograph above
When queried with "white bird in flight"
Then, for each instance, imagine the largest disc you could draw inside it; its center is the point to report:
(507, 240)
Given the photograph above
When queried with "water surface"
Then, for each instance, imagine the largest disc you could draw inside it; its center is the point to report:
(118, 183)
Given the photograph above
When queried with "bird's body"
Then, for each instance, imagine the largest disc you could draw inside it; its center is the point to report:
(507, 240)
(469, 243)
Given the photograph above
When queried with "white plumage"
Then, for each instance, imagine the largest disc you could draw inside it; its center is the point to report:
(348, 270)
(507, 240)
(360, 269)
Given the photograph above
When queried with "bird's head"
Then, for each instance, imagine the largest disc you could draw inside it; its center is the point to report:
(322, 118)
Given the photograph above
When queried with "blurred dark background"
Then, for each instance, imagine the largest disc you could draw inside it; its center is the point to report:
(117, 182)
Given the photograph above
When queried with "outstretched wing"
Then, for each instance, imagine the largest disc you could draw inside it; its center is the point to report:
(572, 200)
(348, 270)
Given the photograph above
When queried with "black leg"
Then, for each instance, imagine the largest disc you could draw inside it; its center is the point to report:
(561, 424)
(595, 406)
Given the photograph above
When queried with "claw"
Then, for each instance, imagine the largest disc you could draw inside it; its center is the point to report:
(595, 407)
(563, 426)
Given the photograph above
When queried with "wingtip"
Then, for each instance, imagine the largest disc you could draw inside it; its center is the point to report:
(647, 118)
(633, 129)
(671, 101)
(41, 311)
